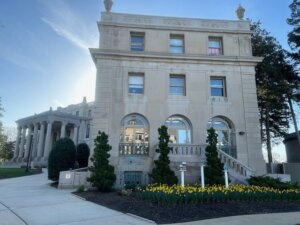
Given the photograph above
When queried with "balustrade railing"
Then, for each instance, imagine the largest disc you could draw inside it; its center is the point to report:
(187, 149)
(134, 148)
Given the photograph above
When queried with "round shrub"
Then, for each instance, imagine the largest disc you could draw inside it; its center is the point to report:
(61, 158)
(82, 155)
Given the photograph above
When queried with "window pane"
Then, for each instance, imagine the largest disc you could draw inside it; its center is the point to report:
(177, 90)
(177, 81)
(216, 92)
(214, 51)
(137, 42)
(137, 39)
(176, 42)
(136, 80)
(176, 49)
(136, 89)
(136, 84)
(214, 44)
(216, 83)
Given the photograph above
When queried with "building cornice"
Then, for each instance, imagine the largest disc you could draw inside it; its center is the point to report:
(174, 23)
(166, 57)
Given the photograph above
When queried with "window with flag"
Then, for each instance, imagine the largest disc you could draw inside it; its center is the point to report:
(136, 83)
(215, 46)
(217, 86)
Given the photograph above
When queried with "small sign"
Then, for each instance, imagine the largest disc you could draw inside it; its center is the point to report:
(68, 175)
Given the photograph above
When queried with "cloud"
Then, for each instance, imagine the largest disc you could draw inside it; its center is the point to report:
(69, 24)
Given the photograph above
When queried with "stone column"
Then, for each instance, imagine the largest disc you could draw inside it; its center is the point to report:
(41, 141)
(21, 149)
(63, 130)
(75, 134)
(48, 141)
(34, 146)
(17, 148)
(27, 148)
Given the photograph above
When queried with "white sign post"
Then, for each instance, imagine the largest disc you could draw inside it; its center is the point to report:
(202, 176)
(226, 175)
(182, 169)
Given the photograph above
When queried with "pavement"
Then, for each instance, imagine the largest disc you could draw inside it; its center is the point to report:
(31, 201)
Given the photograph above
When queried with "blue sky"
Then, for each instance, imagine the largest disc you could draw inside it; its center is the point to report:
(44, 57)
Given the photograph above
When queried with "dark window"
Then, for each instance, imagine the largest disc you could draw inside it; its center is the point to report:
(87, 134)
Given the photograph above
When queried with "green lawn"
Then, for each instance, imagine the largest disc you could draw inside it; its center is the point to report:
(16, 172)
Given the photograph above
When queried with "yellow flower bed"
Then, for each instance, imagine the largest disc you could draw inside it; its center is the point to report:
(195, 194)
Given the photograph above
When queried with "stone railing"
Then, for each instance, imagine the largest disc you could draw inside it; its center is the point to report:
(134, 148)
(234, 165)
(187, 149)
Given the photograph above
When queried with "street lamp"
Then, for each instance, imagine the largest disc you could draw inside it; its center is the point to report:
(182, 169)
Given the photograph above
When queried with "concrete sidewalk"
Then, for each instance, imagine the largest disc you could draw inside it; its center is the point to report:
(31, 201)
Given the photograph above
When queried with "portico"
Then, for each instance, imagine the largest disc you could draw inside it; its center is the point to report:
(38, 133)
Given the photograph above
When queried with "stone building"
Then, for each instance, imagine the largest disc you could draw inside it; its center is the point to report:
(187, 74)
(36, 134)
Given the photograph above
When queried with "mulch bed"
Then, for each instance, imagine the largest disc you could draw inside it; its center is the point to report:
(184, 213)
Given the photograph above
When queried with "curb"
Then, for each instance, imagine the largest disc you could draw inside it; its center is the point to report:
(141, 218)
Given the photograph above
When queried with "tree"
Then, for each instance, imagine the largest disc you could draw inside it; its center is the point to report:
(294, 35)
(3, 138)
(214, 167)
(61, 158)
(102, 174)
(6, 153)
(82, 155)
(162, 173)
(275, 80)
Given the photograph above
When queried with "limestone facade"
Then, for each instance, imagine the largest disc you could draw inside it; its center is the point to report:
(188, 74)
(37, 134)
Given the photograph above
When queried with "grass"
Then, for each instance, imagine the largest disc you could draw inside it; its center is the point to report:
(16, 172)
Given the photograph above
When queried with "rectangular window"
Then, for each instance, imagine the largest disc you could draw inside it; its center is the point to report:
(176, 43)
(137, 41)
(136, 83)
(177, 85)
(217, 86)
(215, 46)
(133, 177)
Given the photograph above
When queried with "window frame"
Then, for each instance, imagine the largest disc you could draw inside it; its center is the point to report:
(220, 40)
(132, 44)
(223, 88)
(184, 84)
(129, 84)
(176, 37)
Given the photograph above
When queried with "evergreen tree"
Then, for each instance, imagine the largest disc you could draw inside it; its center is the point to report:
(294, 35)
(102, 174)
(214, 168)
(6, 153)
(275, 81)
(162, 173)
(82, 155)
(3, 138)
(61, 158)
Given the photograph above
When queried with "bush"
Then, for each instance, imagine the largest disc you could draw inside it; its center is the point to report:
(102, 174)
(214, 167)
(82, 155)
(61, 158)
(80, 189)
(162, 172)
(276, 183)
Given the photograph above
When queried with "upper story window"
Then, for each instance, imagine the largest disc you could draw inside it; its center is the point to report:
(177, 85)
(90, 113)
(137, 41)
(215, 46)
(136, 83)
(77, 113)
(217, 86)
(176, 43)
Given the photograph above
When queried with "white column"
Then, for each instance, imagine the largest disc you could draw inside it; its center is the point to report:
(34, 146)
(48, 141)
(63, 130)
(202, 176)
(27, 148)
(21, 149)
(17, 148)
(41, 141)
(75, 133)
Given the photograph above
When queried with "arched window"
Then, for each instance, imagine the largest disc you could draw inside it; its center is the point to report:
(134, 138)
(226, 135)
(179, 130)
